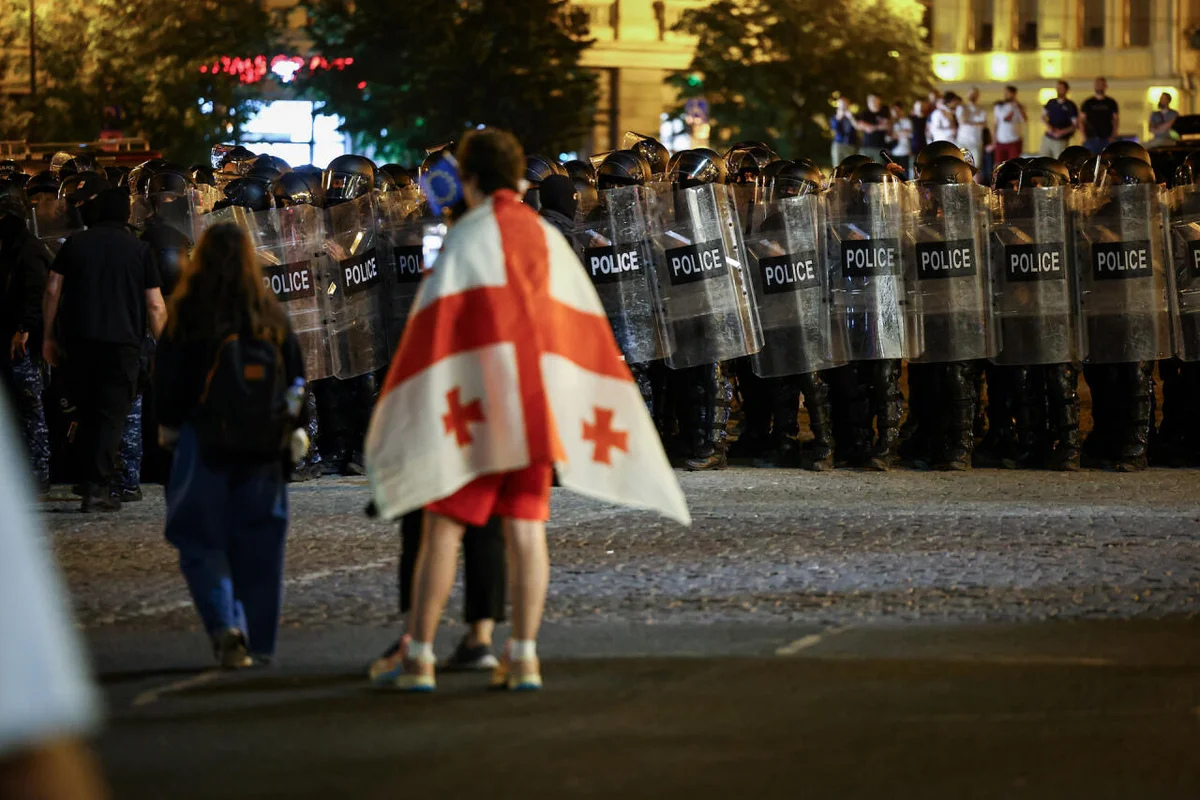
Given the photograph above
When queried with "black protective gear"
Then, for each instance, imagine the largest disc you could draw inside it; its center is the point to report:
(8, 168)
(249, 193)
(622, 168)
(655, 153)
(796, 178)
(399, 175)
(709, 395)
(1125, 171)
(538, 168)
(42, 183)
(13, 201)
(83, 187)
(945, 170)
(1124, 148)
(935, 150)
(346, 178)
(845, 169)
(1043, 172)
(817, 453)
(746, 165)
(581, 172)
(1007, 174)
(1074, 158)
(201, 175)
(1122, 413)
(689, 168)
(868, 406)
(173, 181)
(296, 188)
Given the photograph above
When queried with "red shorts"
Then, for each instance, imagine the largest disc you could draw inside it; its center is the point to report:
(524, 494)
(1005, 152)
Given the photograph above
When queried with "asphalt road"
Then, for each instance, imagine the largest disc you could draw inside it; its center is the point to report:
(989, 634)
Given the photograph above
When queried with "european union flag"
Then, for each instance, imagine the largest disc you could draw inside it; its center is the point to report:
(442, 185)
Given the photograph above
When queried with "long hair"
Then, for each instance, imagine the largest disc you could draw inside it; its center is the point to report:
(222, 291)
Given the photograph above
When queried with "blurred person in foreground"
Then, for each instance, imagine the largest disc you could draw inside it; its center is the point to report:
(47, 703)
(229, 384)
(507, 371)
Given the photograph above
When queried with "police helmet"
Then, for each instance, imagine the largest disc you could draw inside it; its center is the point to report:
(622, 168)
(202, 174)
(84, 162)
(1126, 149)
(400, 177)
(746, 166)
(347, 177)
(8, 168)
(174, 181)
(1007, 174)
(43, 182)
(237, 160)
(1046, 171)
(82, 187)
(846, 168)
(796, 178)
(872, 172)
(1125, 171)
(935, 150)
(582, 172)
(651, 149)
(251, 193)
(295, 189)
(689, 168)
(1074, 158)
(945, 170)
(13, 201)
(538, 168)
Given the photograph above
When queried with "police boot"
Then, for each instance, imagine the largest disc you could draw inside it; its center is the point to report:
(754, 433)
(1099, 448)
(1136, 410)
(712, 395)
(1062, 381)
(887, 407)
(364, 394)
(959, 391)
(311, 466)
(999, 442)
(851, 418)
(1028, 402)
(919, 432)
(817, 454)
(783, 447)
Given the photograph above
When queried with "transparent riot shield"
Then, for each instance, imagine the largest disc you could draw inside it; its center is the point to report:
(54, 220)
(1121, 262)
(791, 288)
(617, 245)
(1033, 278)
(865, 262)
(290, 246)
(356, 289)
(402, 238)
(708, 312)
(207, 197)
(177, 211)
(1185, 267)
(948, 300)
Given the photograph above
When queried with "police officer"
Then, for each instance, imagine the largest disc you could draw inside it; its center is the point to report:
(24, 267)
(537, 169)
(701, 396)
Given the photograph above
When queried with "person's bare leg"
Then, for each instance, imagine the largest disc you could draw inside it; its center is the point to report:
(529, 575)
(437, 562)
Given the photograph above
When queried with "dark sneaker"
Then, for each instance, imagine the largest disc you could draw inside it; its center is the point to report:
(130, 495)
(229, 648)
(704, 463)
(94, 504)
(354, 465)
(467, 659)
(308, 472)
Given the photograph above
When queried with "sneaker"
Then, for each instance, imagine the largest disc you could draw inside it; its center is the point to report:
(308, 472)
(395, 671)
(130, 495)
(93, 504)
(229, 648)
(387, 661)
(513, 676)
(470, 659)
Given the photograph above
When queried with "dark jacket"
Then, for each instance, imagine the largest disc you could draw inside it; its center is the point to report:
(564, 225)
(181, 367)
(169, 248)
(24, 267)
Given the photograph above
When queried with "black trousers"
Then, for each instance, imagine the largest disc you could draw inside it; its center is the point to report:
(103, 378)
(484, 572)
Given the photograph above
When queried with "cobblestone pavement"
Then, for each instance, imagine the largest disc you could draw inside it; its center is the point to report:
(767, 546)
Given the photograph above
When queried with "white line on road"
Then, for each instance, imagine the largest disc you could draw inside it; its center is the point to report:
(152, 695)
(805, 642)
(299, 580)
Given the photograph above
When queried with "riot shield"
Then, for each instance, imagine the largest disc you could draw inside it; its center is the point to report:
(865, 262)
(948, 297)
(290, 243)
(617, 246)
(356, 289)
(54, 220)
(177, 211)
(1121, 262)
(1033, 279)
(1184, 244)
(708, 311)
(207, 197)
(791, 288)
(402, 234)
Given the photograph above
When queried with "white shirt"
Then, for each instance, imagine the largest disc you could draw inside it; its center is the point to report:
(44, 689)
(902, 133)
(1009, 132)
(971, 122)
(942, 125)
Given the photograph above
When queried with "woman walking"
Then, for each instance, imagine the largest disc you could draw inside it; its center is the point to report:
(229, 383)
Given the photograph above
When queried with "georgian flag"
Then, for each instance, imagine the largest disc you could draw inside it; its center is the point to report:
(508, 360)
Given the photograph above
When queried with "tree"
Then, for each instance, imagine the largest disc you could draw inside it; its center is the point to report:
(771, 69)
(140, 59)
(424, 70)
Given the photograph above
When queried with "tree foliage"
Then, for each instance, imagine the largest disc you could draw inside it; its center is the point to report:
(142, 57)
(771, 69)
(424, 70)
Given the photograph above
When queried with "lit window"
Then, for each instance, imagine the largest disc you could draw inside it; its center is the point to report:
(1137, 23)
(1091, 23)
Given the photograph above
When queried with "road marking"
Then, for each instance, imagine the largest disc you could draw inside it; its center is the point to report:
(805, 642)
(152, 695)
(299, 580)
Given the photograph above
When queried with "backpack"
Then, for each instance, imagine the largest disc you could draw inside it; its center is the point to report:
(243, 414)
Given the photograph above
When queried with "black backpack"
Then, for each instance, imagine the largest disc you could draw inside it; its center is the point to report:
(243, 415)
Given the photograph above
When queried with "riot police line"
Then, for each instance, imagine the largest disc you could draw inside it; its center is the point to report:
(745, 278)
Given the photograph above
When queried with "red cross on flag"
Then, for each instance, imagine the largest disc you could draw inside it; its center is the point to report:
(508, 360)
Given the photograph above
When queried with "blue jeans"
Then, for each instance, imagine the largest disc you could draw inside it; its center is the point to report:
(229, 525)
(130, 474)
